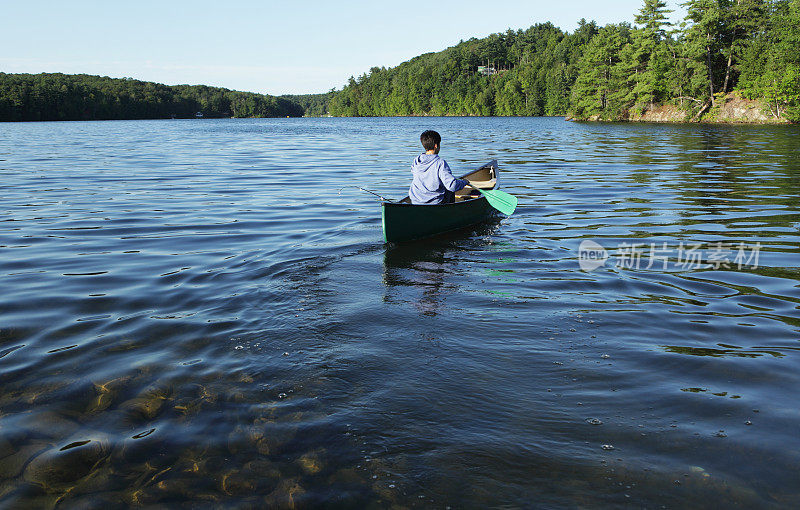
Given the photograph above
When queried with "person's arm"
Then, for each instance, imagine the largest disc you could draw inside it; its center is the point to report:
(450, 182)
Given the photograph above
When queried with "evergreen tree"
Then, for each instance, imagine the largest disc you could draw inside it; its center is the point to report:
(653, 18)
(557, 90)
(678, 74)
(600, 78)
(703, 39)
(771, 61)
(742, 19)
(649, 55)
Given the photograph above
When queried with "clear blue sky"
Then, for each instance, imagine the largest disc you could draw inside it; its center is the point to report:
(273, 47)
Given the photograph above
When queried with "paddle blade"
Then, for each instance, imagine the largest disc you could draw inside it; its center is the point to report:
(500, 200)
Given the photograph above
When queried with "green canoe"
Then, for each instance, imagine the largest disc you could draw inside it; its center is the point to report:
(404, 221)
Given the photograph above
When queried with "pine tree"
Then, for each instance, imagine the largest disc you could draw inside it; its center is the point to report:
(653, 18)
(741, 19)
(703, 38)
(649, 54)
(596, 90)
(771, 61)
(557, 90)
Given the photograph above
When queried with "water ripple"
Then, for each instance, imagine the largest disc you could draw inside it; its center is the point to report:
(192, 312)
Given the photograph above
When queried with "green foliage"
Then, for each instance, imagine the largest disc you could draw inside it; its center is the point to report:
(650, 56)
(702, 40)
(313, 105)
(715, 35)
(535, 70)
(611, 72)
(771, 60)
(25, 97)
(601, 88)
(653, 18)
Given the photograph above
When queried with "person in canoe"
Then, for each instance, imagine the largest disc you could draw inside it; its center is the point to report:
(433, 182)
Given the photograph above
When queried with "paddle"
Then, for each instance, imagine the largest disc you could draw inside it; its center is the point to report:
(500, 200)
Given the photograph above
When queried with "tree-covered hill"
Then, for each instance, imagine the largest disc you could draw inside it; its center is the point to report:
(313, 105)
(723, 48)
(747, 47)
(513, 73)
(25, 97)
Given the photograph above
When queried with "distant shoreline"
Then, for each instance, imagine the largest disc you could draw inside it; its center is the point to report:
(58, 96)
(673, 121)
(730, 109)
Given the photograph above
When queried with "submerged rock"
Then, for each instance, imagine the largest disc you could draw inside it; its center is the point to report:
(100, 403)
(154, 451)
(207, 395)
(346, 476)
(51, 425)
(237, 441)
(273, 436)
(178, 488)
(310, 463)
(264, 471)
(142, 409)
(107, 392)
(193, 460)
(94, 501)
(11, 466)
(288, 494)
(234, 483)
(147, 496)
(6, 448)
(148, 404)
(99, 480)
(42, 393)
(68, 463)
(33, 495)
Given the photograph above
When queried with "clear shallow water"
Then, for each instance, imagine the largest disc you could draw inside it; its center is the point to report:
(192, 314)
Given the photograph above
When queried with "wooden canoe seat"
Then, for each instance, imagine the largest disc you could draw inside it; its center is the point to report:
(464, 193)
(484, 184)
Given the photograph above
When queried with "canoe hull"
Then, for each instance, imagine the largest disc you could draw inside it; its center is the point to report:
(406, 222)
(403, 221)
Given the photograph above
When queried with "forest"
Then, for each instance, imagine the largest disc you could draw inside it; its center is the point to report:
(749, 48)
(721, 49)
(30, 97)
(313, 105)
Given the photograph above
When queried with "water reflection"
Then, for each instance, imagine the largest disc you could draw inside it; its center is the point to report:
(717, 353)
(431, 267)
(422, 267)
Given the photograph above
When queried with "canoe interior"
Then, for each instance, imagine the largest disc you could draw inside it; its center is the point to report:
(484, 177)
(404, 221)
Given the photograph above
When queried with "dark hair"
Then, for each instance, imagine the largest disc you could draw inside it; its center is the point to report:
(429, 139)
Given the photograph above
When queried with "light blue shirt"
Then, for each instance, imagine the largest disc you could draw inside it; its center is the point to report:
(431, 178)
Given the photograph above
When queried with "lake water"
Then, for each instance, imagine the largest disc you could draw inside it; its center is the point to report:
(191, 314)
